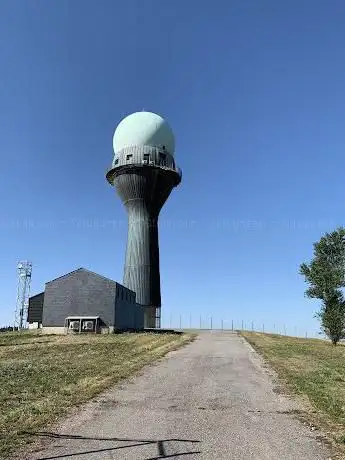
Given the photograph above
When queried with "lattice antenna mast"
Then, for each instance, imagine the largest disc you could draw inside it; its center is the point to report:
(24, 270)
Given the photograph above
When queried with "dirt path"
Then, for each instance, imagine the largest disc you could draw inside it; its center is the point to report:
(209, 400)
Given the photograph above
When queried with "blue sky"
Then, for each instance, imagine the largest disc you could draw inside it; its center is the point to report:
(254, 92)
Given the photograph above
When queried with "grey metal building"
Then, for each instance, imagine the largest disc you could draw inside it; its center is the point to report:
(83, 301)
(144, 173)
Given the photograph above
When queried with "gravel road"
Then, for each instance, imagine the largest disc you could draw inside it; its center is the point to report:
(212, 399)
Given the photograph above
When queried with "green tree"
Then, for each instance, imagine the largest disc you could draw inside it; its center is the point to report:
(325, 275)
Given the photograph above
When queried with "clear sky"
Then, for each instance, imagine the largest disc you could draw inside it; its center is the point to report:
(254, 91)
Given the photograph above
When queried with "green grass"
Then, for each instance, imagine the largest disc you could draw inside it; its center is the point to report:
(311, 368)
(42, 377)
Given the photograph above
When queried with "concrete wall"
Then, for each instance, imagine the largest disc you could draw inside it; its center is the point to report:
(62, 330)
(79, 293)
(53, 330)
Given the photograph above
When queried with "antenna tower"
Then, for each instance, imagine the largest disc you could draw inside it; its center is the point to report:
(24, 270)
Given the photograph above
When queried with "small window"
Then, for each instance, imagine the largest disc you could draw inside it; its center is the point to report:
(117, 161)
(146, 157)
(162, 158)
(129, 157)
(163, 147)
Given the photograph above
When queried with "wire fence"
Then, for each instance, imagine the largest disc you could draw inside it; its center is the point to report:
(194, 322)
(220, 324)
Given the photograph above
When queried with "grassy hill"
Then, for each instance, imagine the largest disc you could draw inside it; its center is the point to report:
(41, 377)
(313, 369)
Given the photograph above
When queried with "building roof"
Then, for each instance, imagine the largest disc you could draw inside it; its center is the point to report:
(36, 295)
(82, 317)
(81, 269)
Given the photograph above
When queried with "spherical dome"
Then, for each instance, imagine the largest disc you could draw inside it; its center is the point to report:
(144, 128)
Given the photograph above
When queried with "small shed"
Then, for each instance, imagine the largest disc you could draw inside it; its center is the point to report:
(83, 301)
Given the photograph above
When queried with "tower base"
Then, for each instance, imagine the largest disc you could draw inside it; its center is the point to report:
(152, 317)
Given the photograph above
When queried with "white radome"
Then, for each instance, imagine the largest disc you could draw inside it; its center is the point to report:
(144, 128)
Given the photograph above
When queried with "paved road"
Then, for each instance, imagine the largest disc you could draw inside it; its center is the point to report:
(209, 400)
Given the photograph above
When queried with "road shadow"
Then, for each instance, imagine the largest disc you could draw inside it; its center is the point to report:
(160, 444)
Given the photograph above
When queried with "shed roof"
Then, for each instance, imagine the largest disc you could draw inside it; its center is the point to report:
(81, 269)
(36, 295)
(82, 317)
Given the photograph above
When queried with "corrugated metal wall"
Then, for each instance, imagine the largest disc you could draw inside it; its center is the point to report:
(136, 155)
(128, 314)
(35, 310)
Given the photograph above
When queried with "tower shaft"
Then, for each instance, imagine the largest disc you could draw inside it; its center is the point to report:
(141, 272)
(144, 190)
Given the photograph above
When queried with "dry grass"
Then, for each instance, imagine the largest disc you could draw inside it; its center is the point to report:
(41, 377)
(315, 370)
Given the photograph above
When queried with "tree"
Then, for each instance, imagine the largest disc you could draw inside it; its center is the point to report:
(326, 277)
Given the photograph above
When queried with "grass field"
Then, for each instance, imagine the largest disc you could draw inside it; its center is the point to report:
(41, 377)
(313, 369)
